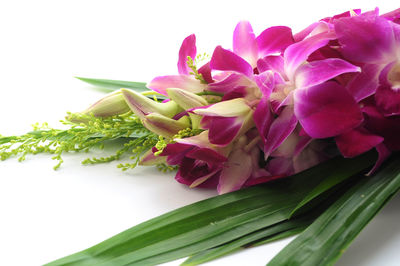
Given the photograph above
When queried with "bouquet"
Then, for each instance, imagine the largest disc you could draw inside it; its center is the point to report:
(299, 132)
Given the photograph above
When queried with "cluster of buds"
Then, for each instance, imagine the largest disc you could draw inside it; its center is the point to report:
(275, 104)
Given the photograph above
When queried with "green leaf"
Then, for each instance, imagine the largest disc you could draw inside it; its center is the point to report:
(336, 177)
(112, 85)
(326, 239)
(209, 223)
(109, 85)
(265, 235)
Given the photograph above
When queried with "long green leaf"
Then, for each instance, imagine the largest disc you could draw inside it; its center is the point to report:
(265, 235)
(210, 222)
(326, 239)
(112, 85)
(334, 178)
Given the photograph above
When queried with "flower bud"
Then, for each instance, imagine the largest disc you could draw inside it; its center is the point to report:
(185, 99)
(164, 126)
(112, 104)
(142, 106)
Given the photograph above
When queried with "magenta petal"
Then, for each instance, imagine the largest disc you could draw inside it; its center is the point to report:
(280, 166)
(225, 60)
(235, 172)
(272, 62)
(383, 154)
(161, 83)
(263, 118)
(316, 72)
(366, 39)
(387, 127)
(205, 71)
(188, 48)
(280, 129)
(266, 82)
(393, 15)
(274, 40)
(388, 100)
(356, 142)
(302, 144)
(326, 110)
(206, 155)
(222, 130)
(244, 42)
(296, 54)
(175, 152)
(364, 84)
(230, 83)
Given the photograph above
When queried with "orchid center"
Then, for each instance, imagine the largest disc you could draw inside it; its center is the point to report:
(394, 76)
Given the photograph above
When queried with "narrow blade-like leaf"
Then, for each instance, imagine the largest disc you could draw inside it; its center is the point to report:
(325, 240)
(209, 223)
(112, 85)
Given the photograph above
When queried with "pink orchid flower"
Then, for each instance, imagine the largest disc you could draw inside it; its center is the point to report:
(301, 92)
(373, 41)
(184, 80)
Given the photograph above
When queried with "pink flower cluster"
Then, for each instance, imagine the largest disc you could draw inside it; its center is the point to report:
(278, 102)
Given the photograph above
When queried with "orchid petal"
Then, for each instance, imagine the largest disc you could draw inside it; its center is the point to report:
(316, 72)
(304, 141)
(365, 83)
(175, 152)
(296, 54)
(326, 110)
(306, 159)
(235, 172)
(162, 83)
(230, 83)
(222, 130)
(280, 129)
(287, 148)
(244, 42)
(231, 108)
(149, 158)
(225, 60)
(280, 166)
(274, 40)
(272, 62)
(356, 142)
(366, 39)
(190, 171)
(393, 15)
(263, 118)
(205, 71)
(207, 155)
(383, 154)
(266, 82)
(203, 179)
(388, 100)
(200, 140)
(188, 48)
(301, 35)
(387, 127)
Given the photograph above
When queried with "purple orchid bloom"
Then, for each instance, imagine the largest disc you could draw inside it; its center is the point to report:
(184, 80)
(374, 42)
(300, 91)
(200, 163)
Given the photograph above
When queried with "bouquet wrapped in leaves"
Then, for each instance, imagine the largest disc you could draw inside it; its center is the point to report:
(299, 132)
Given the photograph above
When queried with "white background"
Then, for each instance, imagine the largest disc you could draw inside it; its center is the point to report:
(46, 214)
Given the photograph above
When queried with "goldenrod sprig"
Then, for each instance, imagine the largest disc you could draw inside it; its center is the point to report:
(84, 133)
